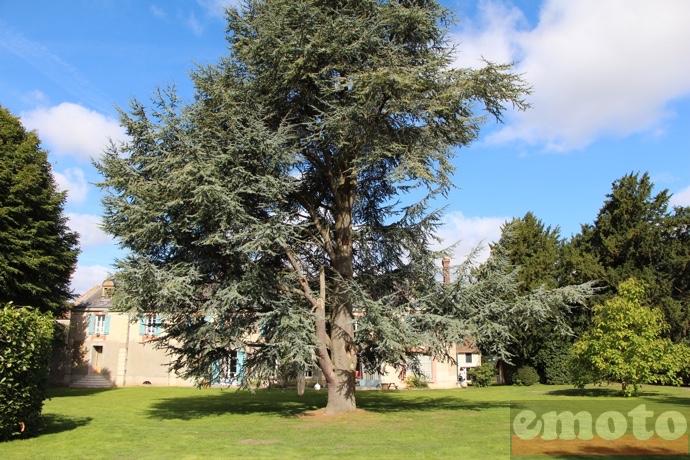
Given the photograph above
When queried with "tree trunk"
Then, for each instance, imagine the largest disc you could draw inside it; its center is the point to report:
(301, 383)
(341, 391)
(341, 394)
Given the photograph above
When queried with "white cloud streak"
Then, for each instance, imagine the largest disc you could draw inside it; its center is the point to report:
(217, 7)
(89, 228)
(55, 68)
(598, 68)
(469, 232)
(87, 276)
(73, 180)
(681, 197)
(73, 130)
(157, 11)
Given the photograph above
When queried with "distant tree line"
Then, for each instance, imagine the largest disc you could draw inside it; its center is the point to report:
(636, 235)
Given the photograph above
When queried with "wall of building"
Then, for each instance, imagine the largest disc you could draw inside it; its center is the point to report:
(124, 357)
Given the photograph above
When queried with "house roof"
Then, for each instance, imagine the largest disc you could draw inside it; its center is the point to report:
(93, 299)
(466, 349)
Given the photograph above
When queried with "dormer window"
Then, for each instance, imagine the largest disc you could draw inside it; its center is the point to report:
(108, 289)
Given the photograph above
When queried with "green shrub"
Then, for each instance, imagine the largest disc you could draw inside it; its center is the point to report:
(25, 352)
(552, 361)
(526, 376)
(414, 381)
(484, 375)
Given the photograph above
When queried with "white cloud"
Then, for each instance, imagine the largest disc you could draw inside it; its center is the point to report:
(73, 130)
(598, 68)
(157, 12)
(681, 197)
(87, 276)
(73, 180)
(493, 38)
(89, 228)
(470, 232)
(194, 24)
(217, 7)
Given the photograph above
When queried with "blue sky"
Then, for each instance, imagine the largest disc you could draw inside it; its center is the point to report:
(611, 82)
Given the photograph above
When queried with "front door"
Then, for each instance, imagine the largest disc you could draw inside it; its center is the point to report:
(97, 359)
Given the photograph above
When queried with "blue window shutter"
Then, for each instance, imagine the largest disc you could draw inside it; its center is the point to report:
(159, 321)
(106, 326)
(92, 324)
(142, 325)
(215, 373)
(240, 362)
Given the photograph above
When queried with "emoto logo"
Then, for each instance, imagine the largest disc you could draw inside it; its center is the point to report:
(635, 430)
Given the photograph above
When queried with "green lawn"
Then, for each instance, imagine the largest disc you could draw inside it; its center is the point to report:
(184, 423)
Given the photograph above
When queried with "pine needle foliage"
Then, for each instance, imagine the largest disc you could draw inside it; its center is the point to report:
(265, 214)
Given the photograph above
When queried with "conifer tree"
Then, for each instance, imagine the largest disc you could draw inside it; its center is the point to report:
(38, 252)
(265, 215)
(636, 235)
(534, 253)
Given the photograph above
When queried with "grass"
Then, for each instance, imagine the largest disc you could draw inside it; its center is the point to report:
(184, 423)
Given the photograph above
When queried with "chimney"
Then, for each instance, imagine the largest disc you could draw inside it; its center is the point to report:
(446, 270)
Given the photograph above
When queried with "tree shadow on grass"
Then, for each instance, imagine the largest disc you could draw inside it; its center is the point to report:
(241, 403)
(56, 423)
(387, 403)
(61, 392)
(595, 393)
(288, 404)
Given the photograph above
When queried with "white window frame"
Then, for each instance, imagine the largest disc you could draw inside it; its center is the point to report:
(99, 325)
(150, 325)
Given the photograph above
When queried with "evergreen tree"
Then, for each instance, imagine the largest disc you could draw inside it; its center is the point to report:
(635, 235)
(38, 252)
(264, 215)
(533, 252)
(533, 248)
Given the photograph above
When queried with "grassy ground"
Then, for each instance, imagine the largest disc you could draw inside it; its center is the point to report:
(183, 423)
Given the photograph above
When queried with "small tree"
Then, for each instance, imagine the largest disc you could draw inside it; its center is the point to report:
(25, 352)
(483, 375)
(625, 344)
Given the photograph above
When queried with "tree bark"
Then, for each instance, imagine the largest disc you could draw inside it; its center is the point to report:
(341, 392)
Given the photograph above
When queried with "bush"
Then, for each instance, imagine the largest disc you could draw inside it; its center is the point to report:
(25, 352)
(552, 362)
(484, 375)
(414, 381)
(526, 376)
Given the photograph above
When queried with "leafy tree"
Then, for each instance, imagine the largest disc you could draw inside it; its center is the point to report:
(265, 213)
(38, 252)
(25, 353)
(484, 375)
(625, 344)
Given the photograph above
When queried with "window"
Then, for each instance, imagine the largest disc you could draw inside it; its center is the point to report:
(99, 325)
(150, 325)
(229, 370)
(468, 358)
(309, 373)
(425, 367)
